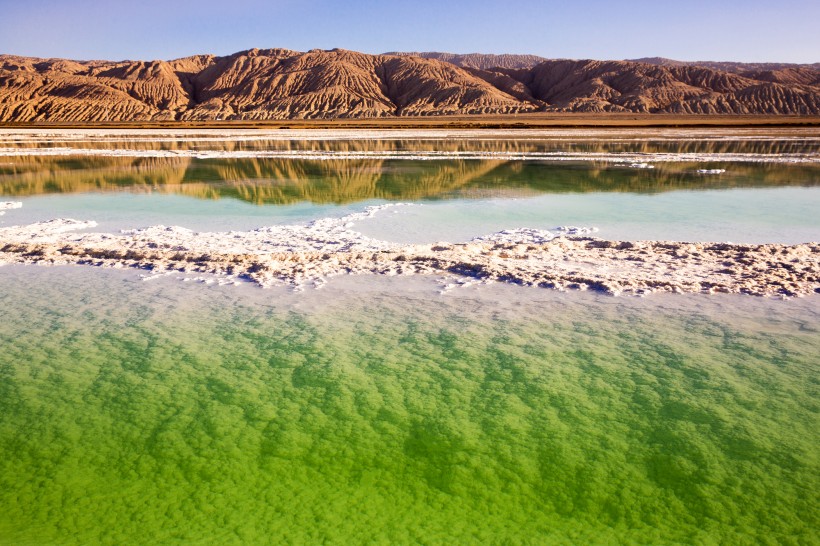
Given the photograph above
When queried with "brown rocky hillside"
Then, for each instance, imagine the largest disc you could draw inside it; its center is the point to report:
(285, 84)
(625, 86)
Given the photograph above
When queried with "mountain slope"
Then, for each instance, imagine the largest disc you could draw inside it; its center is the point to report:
(623, 86)
(481, 61)
(284, 84)
(725, 66)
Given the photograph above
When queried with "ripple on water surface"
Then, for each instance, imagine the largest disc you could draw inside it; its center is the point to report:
(386, 413)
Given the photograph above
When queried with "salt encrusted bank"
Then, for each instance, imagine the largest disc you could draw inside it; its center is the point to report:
(298, 255)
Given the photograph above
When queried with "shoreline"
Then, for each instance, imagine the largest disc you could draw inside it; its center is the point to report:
(562, 263)
(509, 121)
(300, 255)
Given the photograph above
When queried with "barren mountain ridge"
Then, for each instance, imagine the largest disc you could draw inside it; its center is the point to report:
(283, 84)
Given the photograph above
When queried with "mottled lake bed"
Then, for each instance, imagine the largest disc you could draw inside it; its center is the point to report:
(383, 411)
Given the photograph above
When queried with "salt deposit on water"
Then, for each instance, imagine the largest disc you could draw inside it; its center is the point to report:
(325, 235)
(8, 205)
(533, 236)
(299, 255)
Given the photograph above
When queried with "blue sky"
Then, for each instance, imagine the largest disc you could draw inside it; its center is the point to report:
(751, 30)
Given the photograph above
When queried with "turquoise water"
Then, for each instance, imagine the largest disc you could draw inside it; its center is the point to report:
(783, 215)
(461, 199)
(375, 410)
(774, 200)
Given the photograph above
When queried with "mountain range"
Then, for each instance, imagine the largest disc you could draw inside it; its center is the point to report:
(272, 84)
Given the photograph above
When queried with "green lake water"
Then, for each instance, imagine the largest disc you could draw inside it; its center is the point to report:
(381, 412)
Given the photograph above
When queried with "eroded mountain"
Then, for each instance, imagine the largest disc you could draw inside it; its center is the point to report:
(285, 84)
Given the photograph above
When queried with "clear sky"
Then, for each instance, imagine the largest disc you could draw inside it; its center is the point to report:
(724, 30)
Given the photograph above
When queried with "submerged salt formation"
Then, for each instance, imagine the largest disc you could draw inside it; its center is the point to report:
(565, 258)
(8, 205)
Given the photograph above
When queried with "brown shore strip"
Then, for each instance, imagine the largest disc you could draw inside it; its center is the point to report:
(613, 267)
(534, 120)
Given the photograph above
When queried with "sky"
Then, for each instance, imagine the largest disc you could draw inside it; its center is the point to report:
(721, 30)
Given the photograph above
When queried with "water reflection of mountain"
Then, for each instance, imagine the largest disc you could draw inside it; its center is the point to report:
(281, 181)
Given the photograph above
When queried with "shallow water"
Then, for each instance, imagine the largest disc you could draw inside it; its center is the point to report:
(783, 215)
(377, 410)
(760, 185)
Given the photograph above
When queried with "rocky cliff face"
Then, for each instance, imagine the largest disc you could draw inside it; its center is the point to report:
(285, 84)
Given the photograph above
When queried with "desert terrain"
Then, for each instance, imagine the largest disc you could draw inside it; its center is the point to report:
(279, 84)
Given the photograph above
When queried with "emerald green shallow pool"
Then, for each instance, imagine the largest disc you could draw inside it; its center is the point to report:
(377, 411)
